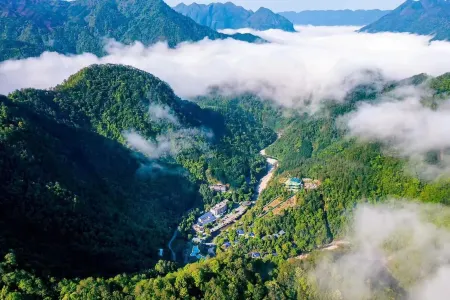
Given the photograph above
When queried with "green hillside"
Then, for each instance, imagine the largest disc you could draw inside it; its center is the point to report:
(29, 27)
(76, 200)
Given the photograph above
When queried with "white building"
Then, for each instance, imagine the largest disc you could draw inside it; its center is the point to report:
(219, 209)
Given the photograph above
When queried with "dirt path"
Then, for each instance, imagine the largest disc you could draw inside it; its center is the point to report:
(330, 247)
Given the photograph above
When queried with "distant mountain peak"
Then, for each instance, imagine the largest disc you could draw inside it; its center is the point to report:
(230, 16)
(425, 17)
(29, 27)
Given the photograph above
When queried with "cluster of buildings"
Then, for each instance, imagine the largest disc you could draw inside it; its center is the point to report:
(295, 184)
(230, 218)
(219, 211)
(211, 216)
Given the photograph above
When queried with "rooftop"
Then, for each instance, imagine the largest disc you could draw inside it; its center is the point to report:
(293, 181)
(206, 218)
(220, 205)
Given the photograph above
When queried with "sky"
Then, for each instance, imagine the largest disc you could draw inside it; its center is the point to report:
(299, 5)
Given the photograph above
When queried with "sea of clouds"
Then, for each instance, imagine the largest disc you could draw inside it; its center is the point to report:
(310, 65)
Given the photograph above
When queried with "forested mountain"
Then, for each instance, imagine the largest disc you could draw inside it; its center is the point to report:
(76, 200)
(349, 172)
(425, 17)
(229, 16)
(29, 27)
(334, 17)
(315, 146)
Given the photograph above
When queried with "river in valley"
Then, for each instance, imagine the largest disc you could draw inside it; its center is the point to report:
(271, 168)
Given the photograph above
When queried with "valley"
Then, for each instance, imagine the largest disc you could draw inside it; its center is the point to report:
(146, 155)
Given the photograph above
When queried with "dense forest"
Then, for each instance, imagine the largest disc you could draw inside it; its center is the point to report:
(28, 27)
(77, 200)
(91, 189)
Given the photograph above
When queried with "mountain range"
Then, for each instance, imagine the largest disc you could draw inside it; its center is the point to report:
(230, 16)
(424, 17)
(334, 17)
(29, 27)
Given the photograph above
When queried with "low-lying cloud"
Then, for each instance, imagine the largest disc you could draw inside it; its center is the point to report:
(402, 121)
(169, 144)
(162, 114)
(406, 124)
(294, 68)
(396, 246)
(161, 147)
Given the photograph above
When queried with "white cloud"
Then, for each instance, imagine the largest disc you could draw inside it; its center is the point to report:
(402, 122)
(169, 144)
(407, 124)
(152, 149)
(161, 113)
(308, 65)
(395, 244)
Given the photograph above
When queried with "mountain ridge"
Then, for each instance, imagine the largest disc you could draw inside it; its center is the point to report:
(81, 26)
(424, 17)
(230, 16)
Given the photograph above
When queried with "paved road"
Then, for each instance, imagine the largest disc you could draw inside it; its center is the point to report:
(174, 255)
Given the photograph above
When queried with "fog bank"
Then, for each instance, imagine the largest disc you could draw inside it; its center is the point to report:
(294, 68)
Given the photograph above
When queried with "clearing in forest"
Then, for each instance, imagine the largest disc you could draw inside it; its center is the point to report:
(291, 202)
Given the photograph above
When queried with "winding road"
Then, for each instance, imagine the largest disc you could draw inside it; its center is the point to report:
(174, 255)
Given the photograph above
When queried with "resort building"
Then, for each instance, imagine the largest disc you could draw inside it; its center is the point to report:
(294, 184)
(206, 219)
(219, 209)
